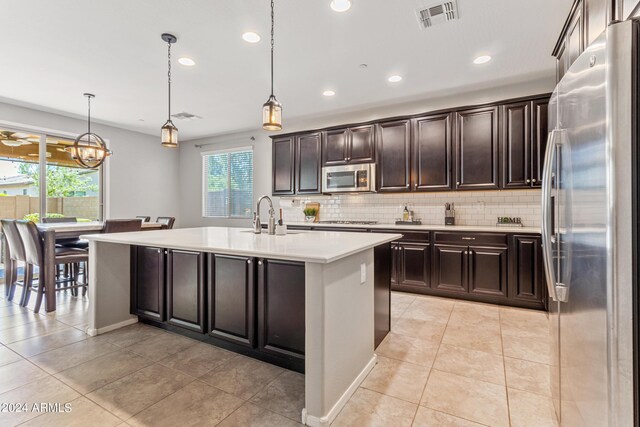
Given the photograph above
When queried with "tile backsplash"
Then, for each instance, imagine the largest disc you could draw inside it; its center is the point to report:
(472, 207)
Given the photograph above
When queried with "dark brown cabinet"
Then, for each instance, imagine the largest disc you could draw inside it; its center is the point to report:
(526, 275)
(185, 289)
(148, 278)
(281, 308)
(431, 152)
(308, 163)
(232, 299)
(477, 149)
(414, 266)
(283, 166)
(349, 146)
(394, 155)
(488, 271)
(451, 265)
(540, 132)
(572, 39)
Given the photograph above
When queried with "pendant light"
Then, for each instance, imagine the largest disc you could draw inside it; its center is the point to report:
(89, 150)
(169, 130)
(272, 109)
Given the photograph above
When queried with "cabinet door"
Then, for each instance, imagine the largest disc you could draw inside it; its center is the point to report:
(526, 279)
(596, 12)
(308, 162)
(450, 265)
(361, 144)
(394, 156)
(185, 289)
(395, 254)
(432, 152)
(335, 147)
(281, 308)
(415, 264)
(575, 34)
(148, 294)
(283, 165)
(488, 271)
(516, 145)
(477, 149)
(540, 132)
(232, 299)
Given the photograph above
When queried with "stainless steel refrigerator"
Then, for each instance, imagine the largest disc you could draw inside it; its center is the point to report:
(589, 232)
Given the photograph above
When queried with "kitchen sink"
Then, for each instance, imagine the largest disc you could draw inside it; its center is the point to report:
(265, 232)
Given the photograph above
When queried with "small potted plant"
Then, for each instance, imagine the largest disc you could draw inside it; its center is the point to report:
(310, 214)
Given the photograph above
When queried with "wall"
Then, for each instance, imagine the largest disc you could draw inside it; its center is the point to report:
(191, 165)
(141, 175)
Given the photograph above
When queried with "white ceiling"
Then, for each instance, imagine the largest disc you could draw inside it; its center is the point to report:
(53, 51)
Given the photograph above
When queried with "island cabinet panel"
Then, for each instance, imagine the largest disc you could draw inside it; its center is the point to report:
(382, 256)
(308, 163)
(185, 289)
(431, 152)
(526, 282)
(540, 133)
(394, 155)
(283, 159)
(451, 266)
(477, 149)
(148, 278)
(232, 299)
(516, 145)
(488, 271)
(281, 308)
(349, 146)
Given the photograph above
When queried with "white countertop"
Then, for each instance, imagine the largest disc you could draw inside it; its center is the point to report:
(316, 247)
(428, 227)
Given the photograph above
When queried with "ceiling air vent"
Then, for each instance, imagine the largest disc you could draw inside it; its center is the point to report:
(437, 13)
(185, 116)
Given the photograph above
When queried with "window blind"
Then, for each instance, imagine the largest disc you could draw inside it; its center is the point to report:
(228, 184)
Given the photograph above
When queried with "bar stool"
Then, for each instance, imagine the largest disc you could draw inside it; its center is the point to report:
(34, 254)
(16, 254)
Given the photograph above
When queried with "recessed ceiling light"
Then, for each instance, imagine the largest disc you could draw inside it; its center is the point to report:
(482, 59)
(328, 93)
(188, 62)
(251, 37)
(395, 79)
(340, 5)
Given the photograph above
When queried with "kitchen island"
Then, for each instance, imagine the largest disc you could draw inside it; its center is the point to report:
(169, 276)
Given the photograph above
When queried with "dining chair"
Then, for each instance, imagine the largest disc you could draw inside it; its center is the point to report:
(13, 257)
(166, 221)
(34, 255)
(144, 218)
(122, 225)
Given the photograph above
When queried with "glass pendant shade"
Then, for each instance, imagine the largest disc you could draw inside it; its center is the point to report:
(169, 135)
(89, 150)
(272, 114)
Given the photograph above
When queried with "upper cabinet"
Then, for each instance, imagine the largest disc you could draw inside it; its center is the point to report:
(431, 151)
(539, 134)
(477, 149)
(283, 162)
(394, 166)
(308, 161)
(349, 146)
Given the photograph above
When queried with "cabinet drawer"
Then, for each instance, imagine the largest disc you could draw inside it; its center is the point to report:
(494, 239)
(408, 236)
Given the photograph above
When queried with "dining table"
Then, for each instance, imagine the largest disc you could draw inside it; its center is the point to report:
(55, 232)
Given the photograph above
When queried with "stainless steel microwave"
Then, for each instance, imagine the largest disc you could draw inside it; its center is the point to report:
(349, 178)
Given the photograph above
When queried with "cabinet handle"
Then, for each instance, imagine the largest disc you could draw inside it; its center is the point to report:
(259, 262)
(468, 238)
(458, 183)
(528, 181)
(248, 261)
(534, 180)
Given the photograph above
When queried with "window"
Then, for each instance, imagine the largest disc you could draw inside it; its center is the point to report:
(228, 183)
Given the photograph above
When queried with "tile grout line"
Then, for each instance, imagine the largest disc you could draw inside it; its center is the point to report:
(504, 367)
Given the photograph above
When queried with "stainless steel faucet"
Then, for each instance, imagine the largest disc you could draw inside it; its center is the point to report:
(257, 225)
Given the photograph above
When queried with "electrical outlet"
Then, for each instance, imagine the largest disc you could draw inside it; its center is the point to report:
(363, 273)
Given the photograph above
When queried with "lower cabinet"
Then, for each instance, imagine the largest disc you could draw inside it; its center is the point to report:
(148, 275)
(526, 272)
(413, 264)
(232, 299)
(281, 308)
(488, 271)
(185, 289)
(450, 268)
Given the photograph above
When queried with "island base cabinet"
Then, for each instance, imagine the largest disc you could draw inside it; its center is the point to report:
(148, 279)
(185, 289)
(232, 299)
(281, 308)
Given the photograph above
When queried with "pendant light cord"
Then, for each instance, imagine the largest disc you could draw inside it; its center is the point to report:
(89, 118)
(272, 43)
(169, 77)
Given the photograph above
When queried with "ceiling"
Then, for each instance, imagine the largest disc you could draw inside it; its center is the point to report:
(53, 51)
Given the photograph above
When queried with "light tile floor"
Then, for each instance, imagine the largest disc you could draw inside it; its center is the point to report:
(445, 363)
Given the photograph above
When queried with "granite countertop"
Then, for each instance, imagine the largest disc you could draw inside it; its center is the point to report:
(315, 247)
(428, 227)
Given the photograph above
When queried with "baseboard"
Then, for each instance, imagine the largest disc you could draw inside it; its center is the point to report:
(326, 420)
(93, 332)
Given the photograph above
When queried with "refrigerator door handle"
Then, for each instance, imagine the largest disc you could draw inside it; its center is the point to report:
(547, 213)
